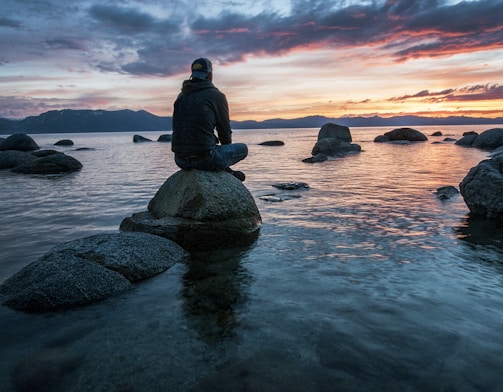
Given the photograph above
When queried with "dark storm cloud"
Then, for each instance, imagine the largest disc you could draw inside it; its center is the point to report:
(405, 28)
(132, 37)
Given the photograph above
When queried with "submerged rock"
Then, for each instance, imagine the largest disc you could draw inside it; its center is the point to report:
(446, 192)
(401, 134)
(19, 142)
(200, 210)
(272, 143)
(482, 188)
(64, 142)
(87, 270)
(140, 139)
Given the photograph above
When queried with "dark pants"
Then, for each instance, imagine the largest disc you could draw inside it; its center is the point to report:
(218, 159)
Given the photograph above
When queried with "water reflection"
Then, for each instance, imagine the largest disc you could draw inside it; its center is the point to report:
(480, 231)
(214, 284)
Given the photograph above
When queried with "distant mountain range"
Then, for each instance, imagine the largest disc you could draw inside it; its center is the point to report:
(79, 121)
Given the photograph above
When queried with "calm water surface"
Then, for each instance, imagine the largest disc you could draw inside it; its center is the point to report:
(363, 282)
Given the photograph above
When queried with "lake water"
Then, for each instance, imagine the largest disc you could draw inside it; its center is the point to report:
(363, 282)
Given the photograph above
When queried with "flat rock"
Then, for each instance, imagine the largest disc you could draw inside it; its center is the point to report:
(401, 134)
(50, 164)
(84, 271)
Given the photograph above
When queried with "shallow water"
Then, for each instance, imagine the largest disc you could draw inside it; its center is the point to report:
(363, 282)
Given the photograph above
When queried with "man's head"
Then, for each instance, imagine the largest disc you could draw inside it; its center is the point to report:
(202, 69)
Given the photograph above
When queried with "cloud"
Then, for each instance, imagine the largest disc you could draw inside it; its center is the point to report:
(161, 40)
(7, 22)
(468, 93)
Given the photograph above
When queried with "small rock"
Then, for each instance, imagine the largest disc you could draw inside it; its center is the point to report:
(50, 164)
(64, 142)
(446, 192)
(272, 143)
(140, 139)
(165, 138)
(291, 185)
(437, 133)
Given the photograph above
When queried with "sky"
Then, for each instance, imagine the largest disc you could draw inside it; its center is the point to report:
(272, 59)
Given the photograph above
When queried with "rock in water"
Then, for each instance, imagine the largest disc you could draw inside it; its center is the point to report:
(200, 210)
(19, 142)
(401, 134)
(80, 272)
(482, 188)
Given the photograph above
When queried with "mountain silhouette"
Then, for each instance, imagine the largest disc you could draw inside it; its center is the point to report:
(81, 121)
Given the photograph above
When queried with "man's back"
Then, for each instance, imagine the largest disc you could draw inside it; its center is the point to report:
(198, 110)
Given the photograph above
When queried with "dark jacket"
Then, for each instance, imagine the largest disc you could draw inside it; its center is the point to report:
(200, 109)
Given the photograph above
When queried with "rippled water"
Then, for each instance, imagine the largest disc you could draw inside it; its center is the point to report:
(363, 282)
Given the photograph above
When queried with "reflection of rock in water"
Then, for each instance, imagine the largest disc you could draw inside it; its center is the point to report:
(481, 231)
(213, 285)
(44, 370)
(271, 370)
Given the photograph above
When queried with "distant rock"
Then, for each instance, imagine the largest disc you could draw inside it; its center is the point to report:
(140, 139)
(467, 139)
(19, 142)
(290, 185)
(13, 158)
(449, 139)
(333, 141)
(272, 143)
(331, 130)
(64, 142)
(50, 164)
(401, 134)
(165, 138)
(87, 270)
(437, 133)
(482, 188)
(446, 192)
(200, 210)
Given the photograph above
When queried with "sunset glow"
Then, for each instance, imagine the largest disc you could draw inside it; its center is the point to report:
(274, 59)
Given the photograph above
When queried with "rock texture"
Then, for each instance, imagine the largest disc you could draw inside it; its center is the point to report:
(482, 188)
(81, 272)
(13, 158)
(200, 210)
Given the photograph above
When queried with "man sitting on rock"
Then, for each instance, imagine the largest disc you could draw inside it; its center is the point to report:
(200, 109)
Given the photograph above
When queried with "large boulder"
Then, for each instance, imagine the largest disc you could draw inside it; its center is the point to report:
(467, 139)
(331, 130)
(402, 134)
(54, 163)
(490, 139)
(87, 270)
(19, 142)
(482, 188)
(13, 158)
(333, 141)
(200, 210)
